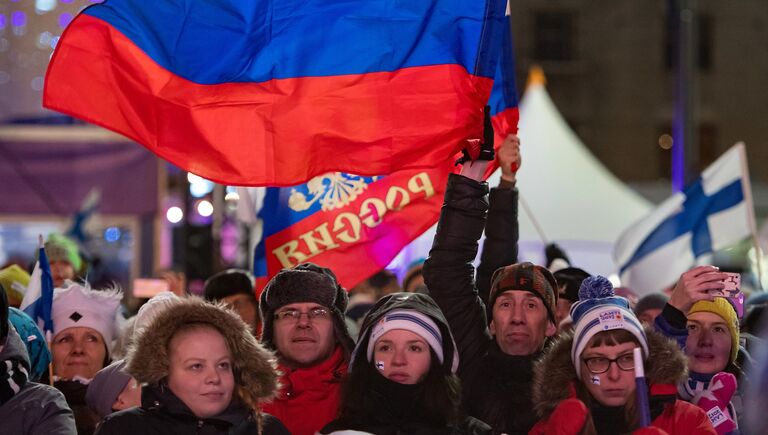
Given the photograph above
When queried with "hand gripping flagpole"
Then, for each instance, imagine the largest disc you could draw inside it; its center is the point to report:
(641, 390)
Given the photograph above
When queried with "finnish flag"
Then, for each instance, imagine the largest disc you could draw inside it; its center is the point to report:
(38, 299)
(713, 212)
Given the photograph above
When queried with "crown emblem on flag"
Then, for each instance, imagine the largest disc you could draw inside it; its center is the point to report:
(333, 190)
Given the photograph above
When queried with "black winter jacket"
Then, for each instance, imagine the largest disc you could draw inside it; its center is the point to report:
(496, 386)
(398, 408)
(162, 413)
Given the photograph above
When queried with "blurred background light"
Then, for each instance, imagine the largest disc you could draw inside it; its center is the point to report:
(112, 234)
(205, 208)
(174, 215)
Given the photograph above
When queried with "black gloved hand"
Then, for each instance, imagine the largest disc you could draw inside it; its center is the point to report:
(480, 150)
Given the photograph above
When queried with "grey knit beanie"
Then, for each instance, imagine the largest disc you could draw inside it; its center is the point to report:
(306, 282)
(105, 387)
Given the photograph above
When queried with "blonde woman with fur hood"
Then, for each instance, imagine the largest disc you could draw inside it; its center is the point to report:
(202, 372)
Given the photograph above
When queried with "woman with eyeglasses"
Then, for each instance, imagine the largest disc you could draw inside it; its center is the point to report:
(585, 383)
(402, 376)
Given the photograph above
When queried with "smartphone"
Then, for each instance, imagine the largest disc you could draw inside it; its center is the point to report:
(732, 283)
(148, 287)
(732, 292)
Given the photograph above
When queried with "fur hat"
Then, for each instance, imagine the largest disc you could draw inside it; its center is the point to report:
(598, 310)
(15, 281)
(105, 388)
(227, 283)
(306, 282)
(61, 248)
(725, 310)
(80, 306)
(253, 366)
(524, 277)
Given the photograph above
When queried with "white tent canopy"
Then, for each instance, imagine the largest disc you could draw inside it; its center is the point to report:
(577, 202)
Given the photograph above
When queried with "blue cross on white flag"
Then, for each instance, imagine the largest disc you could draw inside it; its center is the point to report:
(713, 212)
(38, 300)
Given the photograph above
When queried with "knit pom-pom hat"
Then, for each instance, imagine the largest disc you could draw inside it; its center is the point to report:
(598, 310)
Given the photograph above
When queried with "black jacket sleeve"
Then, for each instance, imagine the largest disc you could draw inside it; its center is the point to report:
(449, 273)
(501, 236)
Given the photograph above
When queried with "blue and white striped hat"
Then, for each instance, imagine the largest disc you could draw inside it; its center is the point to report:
(598, 310)
(408, 320)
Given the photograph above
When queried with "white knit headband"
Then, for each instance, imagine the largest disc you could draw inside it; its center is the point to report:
(408, 320)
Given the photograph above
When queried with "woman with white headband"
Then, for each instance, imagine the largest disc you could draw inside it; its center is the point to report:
(402, 378)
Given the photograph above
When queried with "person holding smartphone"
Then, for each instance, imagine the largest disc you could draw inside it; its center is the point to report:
(706, 326)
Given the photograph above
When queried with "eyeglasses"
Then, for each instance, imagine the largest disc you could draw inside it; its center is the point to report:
(600, 364)
(293, 316)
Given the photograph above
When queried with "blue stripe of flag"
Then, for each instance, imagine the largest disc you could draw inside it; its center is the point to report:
(222, 41)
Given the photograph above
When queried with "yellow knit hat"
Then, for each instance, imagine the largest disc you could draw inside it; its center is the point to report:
(15, 281)
(725, 310)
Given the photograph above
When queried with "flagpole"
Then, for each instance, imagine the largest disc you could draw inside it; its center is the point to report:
(47, 333)
(535, 222)
(751, 210)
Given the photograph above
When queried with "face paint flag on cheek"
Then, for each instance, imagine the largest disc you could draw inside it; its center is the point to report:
(380, 365)
(595, 379)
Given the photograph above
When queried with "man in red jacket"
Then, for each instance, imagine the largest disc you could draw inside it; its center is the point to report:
(302, 313)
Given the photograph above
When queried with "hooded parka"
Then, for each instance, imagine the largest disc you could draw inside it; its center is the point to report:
(162, 412)
(555, 381)
(34, 408)
(398, 406)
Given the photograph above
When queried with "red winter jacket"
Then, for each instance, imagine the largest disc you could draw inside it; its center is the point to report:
(309, 397)
(561, 413)
(677, 418)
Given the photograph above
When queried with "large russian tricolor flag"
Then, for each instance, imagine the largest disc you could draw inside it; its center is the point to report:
(356, 225)
(275, 92)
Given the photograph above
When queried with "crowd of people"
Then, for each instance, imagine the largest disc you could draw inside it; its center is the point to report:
(507, 348)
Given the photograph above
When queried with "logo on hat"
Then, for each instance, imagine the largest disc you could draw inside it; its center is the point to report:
(75, 316)
(611, 319)
(523, 281)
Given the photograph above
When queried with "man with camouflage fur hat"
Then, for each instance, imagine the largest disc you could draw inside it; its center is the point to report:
(302, 313)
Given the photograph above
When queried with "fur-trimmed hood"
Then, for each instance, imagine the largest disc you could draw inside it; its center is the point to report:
(254, 367)
(554, 373)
